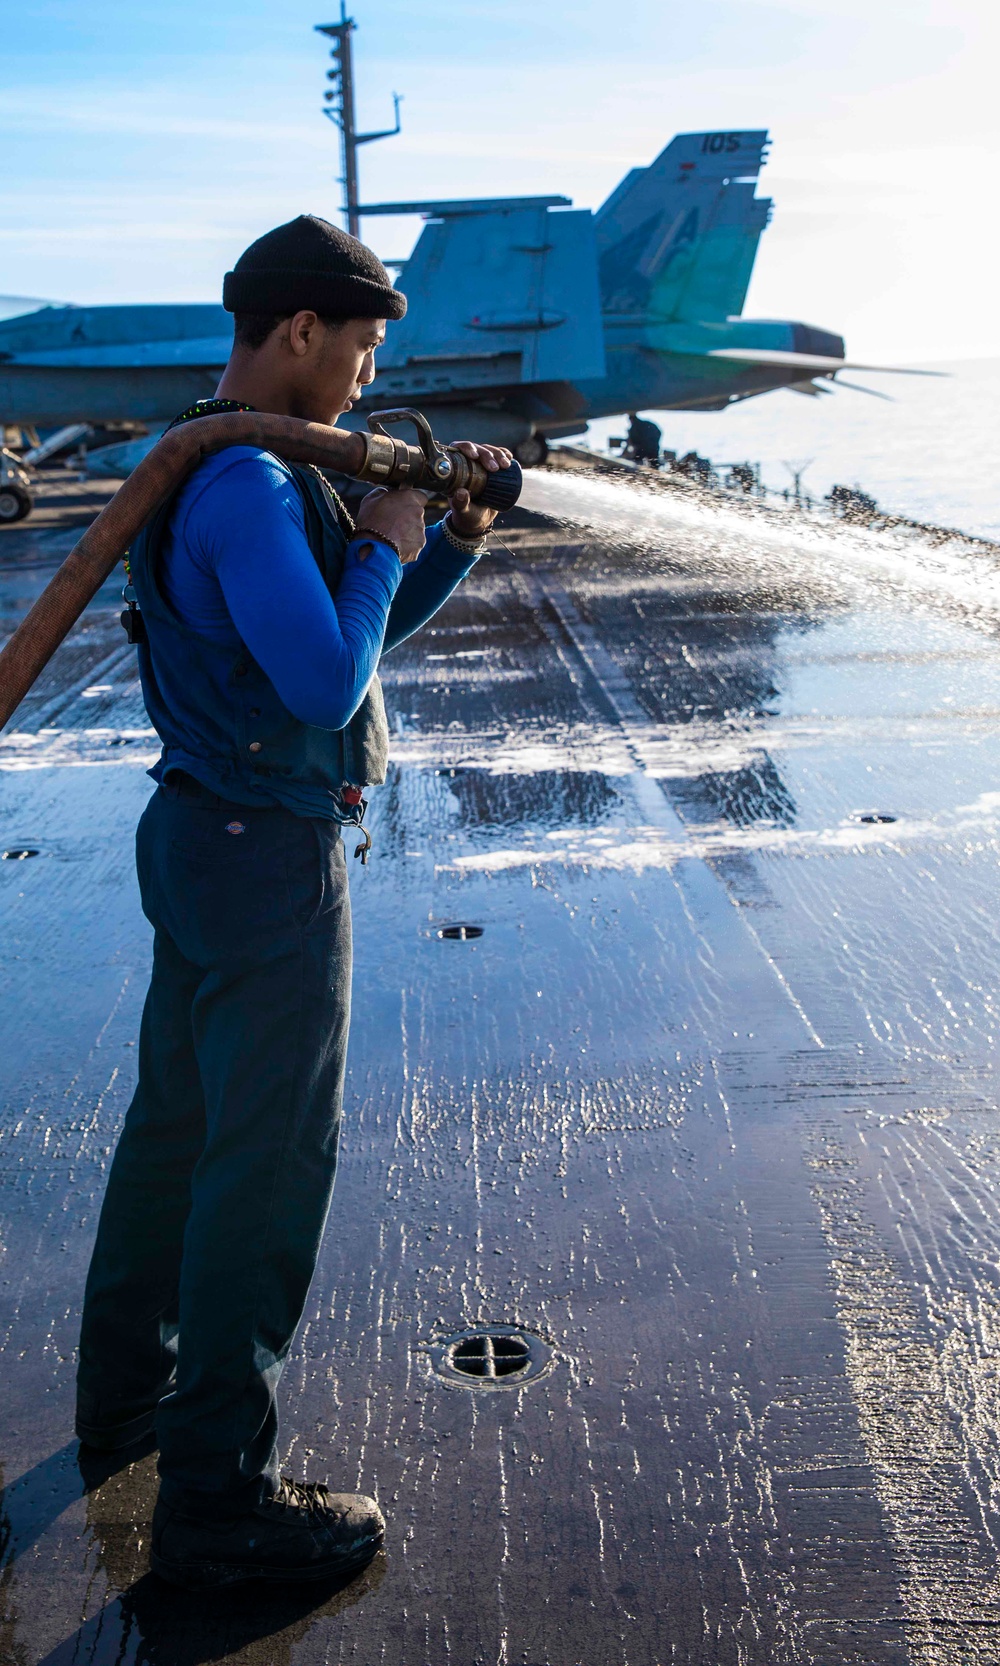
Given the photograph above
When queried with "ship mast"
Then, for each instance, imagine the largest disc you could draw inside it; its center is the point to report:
(338, 104)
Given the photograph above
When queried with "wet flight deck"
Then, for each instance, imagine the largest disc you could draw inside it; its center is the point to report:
(659, 1300)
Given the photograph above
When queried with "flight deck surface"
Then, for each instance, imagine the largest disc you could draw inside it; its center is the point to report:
(706, 1110)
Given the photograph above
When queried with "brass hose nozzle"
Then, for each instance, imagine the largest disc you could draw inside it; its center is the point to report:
(430, 466)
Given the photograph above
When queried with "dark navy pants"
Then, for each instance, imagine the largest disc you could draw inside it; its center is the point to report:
(221, 1182)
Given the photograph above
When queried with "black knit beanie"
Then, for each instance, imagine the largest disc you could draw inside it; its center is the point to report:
(310, 264)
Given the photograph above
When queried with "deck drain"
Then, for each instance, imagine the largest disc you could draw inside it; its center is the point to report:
(460, 934)
(491, 1356)
(874, 818)
(19, 853)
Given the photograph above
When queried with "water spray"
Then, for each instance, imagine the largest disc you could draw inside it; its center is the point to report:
(378, 458)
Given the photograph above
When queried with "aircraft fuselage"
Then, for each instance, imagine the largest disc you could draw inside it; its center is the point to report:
(639, 376)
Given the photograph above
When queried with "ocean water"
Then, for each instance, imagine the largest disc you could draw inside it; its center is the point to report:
(931, 453)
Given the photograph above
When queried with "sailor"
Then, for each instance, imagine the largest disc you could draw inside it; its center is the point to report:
(642, 444)
(265, 613)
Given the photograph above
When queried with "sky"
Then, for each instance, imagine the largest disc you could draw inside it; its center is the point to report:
(147, 144)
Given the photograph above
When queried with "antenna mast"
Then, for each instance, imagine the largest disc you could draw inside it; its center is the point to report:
(338, 104)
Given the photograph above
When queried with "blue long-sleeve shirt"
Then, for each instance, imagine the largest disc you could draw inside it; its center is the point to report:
(237, 568)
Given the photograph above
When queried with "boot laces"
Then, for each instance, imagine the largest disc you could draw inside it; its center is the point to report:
(310, 1496)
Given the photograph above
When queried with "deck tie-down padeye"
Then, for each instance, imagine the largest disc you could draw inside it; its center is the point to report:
(490, 1357)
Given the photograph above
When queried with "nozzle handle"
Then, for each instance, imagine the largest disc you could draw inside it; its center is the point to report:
(434, 467)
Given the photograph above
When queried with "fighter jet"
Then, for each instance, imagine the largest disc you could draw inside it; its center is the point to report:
(526, 317)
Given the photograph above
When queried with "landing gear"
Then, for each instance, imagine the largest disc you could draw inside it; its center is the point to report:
(532, 452)
(15, 503)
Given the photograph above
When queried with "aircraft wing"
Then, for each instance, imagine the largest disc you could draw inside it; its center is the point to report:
(811, 364)
(210, 351)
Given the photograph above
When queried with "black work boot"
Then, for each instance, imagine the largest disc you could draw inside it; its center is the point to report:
(303, 1532)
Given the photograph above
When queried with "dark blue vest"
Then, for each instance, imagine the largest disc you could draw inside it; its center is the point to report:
(220, 718)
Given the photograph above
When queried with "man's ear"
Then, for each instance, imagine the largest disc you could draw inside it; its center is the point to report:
(302, 329)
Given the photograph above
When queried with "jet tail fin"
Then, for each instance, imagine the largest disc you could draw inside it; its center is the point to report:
(677, 240)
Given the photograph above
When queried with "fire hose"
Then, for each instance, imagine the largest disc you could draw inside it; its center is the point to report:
(376, 457)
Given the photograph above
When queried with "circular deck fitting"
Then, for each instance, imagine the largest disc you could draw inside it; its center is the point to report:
(19, 853)
(491, 1356)
(460, 933)
(874, 818)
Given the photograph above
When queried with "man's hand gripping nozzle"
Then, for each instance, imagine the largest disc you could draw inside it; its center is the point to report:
(432, 467)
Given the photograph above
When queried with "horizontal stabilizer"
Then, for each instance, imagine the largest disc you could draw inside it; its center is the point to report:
(812, 364)
(873, 393)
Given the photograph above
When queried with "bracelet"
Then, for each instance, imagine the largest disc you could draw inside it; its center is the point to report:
(363, 533)
(468, 546)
